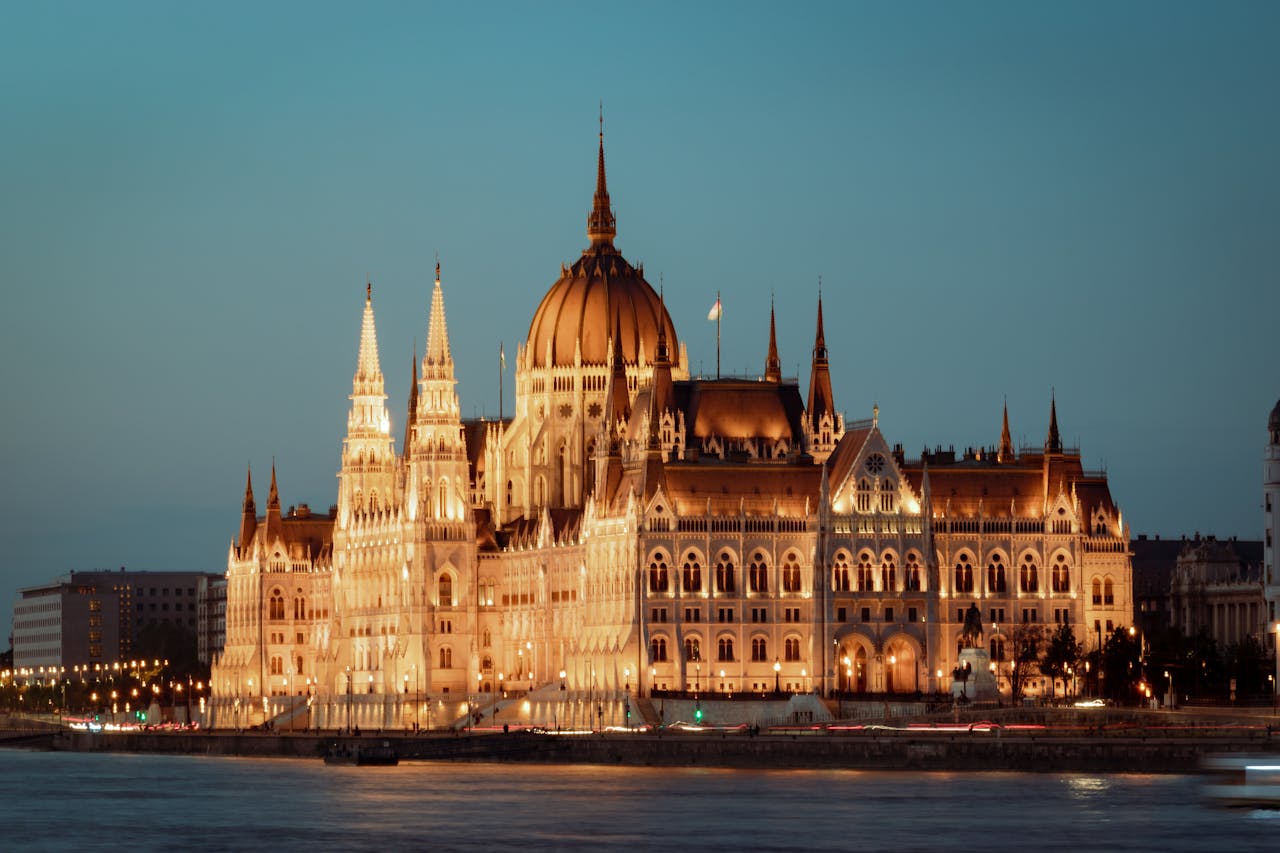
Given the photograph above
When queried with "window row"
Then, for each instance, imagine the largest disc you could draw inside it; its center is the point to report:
(724, 650)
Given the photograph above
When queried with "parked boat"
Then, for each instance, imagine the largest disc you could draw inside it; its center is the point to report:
(381, 754)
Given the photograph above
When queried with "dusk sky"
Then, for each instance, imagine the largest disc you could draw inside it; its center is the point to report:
(1002, 201)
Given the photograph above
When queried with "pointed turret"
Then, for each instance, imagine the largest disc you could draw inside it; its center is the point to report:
(821, 400)
(619, 400)
(273, 523)
(772, 364)
(663, 392)
(601, 225)
(437, 355)
(367, 455)
(248, 513)
(1053, 442)
(926, 515)
(368, 372)
(1005, 454)
(413, 405)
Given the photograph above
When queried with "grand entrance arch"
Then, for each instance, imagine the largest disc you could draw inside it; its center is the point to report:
(901, 666)
(854, 668)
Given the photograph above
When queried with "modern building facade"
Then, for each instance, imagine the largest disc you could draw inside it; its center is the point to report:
(635, 531)
(88, 618)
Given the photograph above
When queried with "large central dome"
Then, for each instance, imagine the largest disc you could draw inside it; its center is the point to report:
(598, 294)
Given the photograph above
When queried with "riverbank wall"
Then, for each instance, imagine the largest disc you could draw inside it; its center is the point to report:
(991, 750)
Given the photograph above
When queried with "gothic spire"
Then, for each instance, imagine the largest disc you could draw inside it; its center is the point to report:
(1006, 441)
(368, 372)
(413, 403)
(249, 506)
(249, 512)
(1053, 443)
(772, 364)
(437, 354)
(273, 498)
(619, 400)
(821, 400)
(601, 225)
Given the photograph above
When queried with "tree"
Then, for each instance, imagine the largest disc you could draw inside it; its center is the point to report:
(1121, 664)
(1061, 655)
(1027, 639)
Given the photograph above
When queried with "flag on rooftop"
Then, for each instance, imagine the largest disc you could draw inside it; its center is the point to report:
(716, 310)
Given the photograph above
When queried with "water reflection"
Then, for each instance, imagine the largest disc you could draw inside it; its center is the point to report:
(68, 801)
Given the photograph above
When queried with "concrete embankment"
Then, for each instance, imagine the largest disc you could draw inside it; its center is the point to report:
(894, 750)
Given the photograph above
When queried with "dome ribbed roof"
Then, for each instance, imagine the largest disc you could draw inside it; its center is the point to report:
(1273, 422)
(601, 292)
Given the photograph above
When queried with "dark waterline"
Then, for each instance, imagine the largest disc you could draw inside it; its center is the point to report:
(77, 801)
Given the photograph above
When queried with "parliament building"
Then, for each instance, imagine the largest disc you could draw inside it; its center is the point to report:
(635, 532)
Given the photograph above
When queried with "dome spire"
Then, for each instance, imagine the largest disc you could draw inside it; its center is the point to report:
(601, 225)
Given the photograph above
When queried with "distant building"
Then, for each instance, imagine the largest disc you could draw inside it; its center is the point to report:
(1153, 563)
(88, 618)
(1216, 589)
(211, 618)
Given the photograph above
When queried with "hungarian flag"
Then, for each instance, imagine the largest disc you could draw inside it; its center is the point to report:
(716, 310)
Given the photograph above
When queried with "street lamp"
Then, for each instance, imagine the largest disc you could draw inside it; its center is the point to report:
(777, 671)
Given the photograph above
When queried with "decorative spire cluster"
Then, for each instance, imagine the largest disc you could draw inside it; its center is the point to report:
(1053, 443)
(1005, 453)
(821, 399)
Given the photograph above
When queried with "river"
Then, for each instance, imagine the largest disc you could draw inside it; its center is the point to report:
(84, 801)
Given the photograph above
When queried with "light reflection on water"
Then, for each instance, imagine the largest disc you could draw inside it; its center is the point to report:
(60, 801)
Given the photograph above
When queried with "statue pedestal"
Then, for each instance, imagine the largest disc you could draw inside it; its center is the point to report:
(981, 684)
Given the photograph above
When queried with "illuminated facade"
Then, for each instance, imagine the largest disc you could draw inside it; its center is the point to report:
(632, 530)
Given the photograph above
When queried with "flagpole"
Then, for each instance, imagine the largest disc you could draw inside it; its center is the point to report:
(502, 363)
(719, 311)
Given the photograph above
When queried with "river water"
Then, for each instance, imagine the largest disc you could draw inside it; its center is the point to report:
(74, 801)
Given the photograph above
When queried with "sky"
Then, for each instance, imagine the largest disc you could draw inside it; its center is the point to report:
(1003, 201)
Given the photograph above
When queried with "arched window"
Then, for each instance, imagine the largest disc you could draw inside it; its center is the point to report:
(1061, 574)
(658, 579)
(888, 573)
(486, 639)
(724, 573)
(299, 606)
(725, 649)
(1097, 591)
(446, 658)
(791, 649)
(446, 511)
(996, 581)
(691, 574)
(759, 573)
(511, 493)
(759, 649)
(790, 575)
(658, 649)
(887, 494)
(277, 665)
(840, 572)
(1030, 576)
(913, 572)
(1108, 592)
(997, 648)
(864, 496)
(964, 574)
(276, 611)
(298, 670)
(444, 587)
(866, 582)
(539, 491)
(692, 649)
